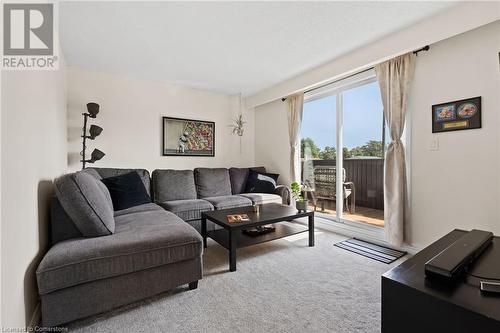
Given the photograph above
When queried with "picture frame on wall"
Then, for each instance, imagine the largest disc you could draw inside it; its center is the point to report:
(457, 115)
(188, 137)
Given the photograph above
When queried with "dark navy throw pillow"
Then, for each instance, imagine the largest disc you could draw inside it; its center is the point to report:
(258, 182)
(127, 190)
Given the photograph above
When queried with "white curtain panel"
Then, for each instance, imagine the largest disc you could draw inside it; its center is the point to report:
(394, 77)
(295, 105)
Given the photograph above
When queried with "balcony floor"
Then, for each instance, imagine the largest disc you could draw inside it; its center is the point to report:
(362, 214)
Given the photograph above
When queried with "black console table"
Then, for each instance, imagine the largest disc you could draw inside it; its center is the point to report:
(412, 303)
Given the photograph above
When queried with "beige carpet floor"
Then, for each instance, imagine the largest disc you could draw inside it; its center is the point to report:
(280, 286)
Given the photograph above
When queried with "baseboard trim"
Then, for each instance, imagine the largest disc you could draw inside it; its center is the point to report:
(373, 234)
(36, 317)
(412, 249)
(349, 230)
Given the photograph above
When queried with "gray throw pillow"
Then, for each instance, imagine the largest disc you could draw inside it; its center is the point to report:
(87, 202)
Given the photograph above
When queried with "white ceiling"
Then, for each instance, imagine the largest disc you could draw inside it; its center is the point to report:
(227, 47)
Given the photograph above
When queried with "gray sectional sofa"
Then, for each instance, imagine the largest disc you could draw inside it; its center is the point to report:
(101, 259)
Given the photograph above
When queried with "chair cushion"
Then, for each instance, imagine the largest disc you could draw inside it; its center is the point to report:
(212, 182)
(188, 210)
(112, 172)
(261, 182)
(87, 202)
(171, 185)
(229, 201)
(142, 240)
(262, 198)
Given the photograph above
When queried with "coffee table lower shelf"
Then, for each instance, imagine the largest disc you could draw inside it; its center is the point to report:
(283, 229)
(232, 237)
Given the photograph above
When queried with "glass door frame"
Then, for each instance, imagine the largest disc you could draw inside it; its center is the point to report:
(337, 88)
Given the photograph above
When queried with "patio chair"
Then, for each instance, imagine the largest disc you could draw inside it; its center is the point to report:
(325, 183)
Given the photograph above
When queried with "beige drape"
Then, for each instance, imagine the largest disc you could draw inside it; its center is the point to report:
(295, 106)
(394, 77)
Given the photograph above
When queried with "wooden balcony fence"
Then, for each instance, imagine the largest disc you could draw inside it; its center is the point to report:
(367, 174)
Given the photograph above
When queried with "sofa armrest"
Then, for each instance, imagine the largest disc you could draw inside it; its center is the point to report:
(285, 193)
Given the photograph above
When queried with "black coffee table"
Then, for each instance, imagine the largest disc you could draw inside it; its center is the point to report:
(232, 236)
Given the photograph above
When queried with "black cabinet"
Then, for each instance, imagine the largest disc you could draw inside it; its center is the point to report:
(412, 303)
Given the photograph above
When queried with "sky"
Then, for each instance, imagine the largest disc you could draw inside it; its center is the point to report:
(362, 117)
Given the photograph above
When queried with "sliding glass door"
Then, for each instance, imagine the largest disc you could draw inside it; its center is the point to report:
(319, 152)
(343, 129)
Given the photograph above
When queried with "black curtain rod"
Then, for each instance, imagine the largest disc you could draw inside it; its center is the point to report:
(425, 48)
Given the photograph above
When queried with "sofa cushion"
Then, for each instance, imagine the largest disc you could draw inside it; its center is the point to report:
(112, 172)
(262, 198)
(229, 201)
(261, 182)
(127, 190)
(260, 169)
(238, 178)
(87, 202)
(171, 185)
(212, 182)
(138, 209)
(188, 210)
(92, 172)
(61, 225)
(142, 240)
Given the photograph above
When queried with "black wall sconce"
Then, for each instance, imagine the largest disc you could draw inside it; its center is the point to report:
(94, 131)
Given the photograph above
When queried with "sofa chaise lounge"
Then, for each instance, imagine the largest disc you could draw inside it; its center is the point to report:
(149, 251)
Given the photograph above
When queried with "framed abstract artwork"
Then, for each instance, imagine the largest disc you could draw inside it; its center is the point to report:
(457, 115)
(188, 137)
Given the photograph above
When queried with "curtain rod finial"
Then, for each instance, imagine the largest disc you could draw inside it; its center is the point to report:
(425, 48)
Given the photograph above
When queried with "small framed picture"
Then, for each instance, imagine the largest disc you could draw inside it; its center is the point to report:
(188, 137)
(458, 115)
(446, 112)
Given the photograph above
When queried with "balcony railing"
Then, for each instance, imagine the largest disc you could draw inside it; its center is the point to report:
(367, 174)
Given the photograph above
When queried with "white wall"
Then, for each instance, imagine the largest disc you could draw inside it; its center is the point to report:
(33, 142)
(272, 144)
(131, 115)
(457, 186)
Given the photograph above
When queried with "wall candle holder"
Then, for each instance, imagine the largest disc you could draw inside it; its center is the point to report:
(94, 131)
